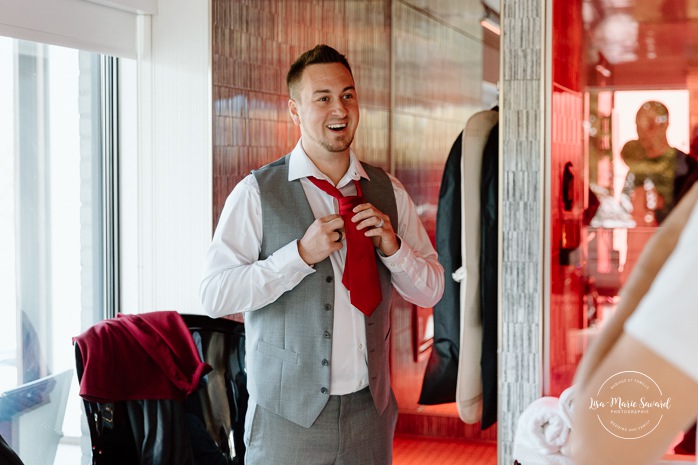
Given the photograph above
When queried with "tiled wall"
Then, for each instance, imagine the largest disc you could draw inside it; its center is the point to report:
(523, 136)
(254, 43)
(521, 212)
(418, 71)
(566, 314)
(566, 317)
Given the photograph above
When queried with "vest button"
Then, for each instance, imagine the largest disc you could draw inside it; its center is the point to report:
(323, 390)
(325, 362)
(328, 279)
(327, 334)
(328, 307)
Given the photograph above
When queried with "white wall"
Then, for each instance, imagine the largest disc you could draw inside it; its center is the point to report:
(174, 156)
(166, 152)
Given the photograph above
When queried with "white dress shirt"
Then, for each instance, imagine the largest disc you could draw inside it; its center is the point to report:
(235, 280)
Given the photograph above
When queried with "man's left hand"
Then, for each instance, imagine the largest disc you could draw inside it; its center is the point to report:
(377, 226)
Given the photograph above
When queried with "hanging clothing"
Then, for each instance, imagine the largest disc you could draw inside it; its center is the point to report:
(440, 377)
(489, 276)
(470, 380)
(463, 363)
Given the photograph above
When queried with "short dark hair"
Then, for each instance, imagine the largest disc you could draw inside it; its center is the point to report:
(655, 112)
(320, 54)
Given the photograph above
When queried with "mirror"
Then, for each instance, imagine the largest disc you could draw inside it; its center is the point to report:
(624, 148)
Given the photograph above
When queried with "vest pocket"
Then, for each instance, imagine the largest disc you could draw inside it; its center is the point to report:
(277, 352)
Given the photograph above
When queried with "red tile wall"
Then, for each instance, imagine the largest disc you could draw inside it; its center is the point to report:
(566, 283)
(254, 44)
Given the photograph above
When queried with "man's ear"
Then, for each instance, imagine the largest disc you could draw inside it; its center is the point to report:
(293, 111)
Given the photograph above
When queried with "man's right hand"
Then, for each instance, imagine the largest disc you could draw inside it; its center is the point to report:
(324, 236)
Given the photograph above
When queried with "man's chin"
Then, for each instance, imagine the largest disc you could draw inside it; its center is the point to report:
(338, 147)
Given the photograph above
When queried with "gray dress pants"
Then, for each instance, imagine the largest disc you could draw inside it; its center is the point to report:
(349, 431)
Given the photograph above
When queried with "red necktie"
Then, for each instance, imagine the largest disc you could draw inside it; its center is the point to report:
(360, 269)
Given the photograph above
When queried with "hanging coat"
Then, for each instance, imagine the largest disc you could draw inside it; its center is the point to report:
(469, 385)
(489, 276)
(440, 377)
(462, 360)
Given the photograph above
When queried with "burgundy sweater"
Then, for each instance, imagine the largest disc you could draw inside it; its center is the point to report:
(138, 357)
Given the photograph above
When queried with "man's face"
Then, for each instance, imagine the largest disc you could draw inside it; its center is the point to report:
(651, 127)
(326, 109)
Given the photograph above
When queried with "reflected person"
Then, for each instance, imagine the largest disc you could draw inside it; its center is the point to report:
(659, 174)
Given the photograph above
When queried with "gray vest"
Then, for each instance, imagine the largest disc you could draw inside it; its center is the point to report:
(289, 342)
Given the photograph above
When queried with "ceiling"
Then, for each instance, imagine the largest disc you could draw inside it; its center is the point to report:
(641, 43)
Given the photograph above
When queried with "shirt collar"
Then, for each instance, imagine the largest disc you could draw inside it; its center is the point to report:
(301, 166)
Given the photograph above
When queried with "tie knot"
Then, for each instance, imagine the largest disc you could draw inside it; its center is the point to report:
(347, 204)
(360, 268)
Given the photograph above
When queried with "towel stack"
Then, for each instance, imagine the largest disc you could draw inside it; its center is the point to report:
(543, 432)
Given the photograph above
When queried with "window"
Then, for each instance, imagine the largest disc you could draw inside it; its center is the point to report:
(58, 274)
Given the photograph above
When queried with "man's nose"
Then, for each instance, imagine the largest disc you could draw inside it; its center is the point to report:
(339, 107)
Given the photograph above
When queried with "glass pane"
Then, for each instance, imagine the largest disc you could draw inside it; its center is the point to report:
(50, 241)
(622, 156)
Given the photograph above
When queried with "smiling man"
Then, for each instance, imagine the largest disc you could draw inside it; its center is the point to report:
(310, 247)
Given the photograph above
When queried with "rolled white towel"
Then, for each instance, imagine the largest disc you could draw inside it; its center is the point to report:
(566, 410)
(541, 434)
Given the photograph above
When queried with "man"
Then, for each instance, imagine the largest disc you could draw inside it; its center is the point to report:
(659, 174)
(317, 352)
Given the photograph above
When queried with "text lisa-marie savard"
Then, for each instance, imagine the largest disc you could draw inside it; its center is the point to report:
(620, 403)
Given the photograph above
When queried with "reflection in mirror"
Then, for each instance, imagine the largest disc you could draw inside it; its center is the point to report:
(636, 182)
(625, 116)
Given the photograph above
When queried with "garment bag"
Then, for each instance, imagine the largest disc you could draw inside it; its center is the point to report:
(453, 371)
(469, 384)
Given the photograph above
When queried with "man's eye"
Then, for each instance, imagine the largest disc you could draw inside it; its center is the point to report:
(348, 96)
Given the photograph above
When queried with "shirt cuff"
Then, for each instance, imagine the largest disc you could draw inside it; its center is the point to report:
(288, 260)
(400, 260)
